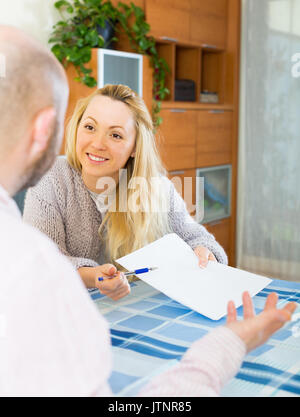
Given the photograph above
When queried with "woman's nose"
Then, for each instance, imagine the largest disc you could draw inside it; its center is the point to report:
(99, 141)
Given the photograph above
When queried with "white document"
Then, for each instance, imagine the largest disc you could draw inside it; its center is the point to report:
(179, 276)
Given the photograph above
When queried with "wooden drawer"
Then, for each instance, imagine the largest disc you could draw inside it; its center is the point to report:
(214, 138)
(169, 19)
(221, 232)
(177, 139)
(185, 184)
(208, 22)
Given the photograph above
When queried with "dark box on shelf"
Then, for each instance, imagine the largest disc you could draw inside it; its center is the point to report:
(185, 90)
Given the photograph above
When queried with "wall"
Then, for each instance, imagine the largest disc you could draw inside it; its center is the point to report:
(35, 17)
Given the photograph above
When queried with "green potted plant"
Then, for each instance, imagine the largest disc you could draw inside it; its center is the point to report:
(81, 29)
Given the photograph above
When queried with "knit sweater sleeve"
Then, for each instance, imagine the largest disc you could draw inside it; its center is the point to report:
(193, 233)
(46, 217)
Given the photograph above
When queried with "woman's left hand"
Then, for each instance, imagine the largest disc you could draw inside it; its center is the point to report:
(204, 255)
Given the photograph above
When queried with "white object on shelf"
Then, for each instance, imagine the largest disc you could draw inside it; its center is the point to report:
(117, 67)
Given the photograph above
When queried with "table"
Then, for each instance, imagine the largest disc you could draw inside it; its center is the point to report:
(150, 332)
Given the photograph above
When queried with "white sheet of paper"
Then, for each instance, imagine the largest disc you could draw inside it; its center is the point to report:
(206, 291)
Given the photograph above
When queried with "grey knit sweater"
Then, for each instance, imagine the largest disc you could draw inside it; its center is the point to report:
(61, 206)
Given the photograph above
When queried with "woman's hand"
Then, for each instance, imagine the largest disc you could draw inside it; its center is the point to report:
(256, 330)
(204, 255)
(114, 286)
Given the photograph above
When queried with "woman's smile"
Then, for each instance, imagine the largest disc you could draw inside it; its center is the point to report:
(96, 159)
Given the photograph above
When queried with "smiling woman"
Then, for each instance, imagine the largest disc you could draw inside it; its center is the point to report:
(110, 140)
(105, 139)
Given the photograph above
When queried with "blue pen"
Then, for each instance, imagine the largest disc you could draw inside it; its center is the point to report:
(135, 272)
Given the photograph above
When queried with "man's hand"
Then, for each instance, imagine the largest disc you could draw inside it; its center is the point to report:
(256, 330)
(204, 255)
(114, 285)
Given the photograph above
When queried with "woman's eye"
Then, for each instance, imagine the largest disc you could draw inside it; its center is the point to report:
(116, 136)
(89, 127)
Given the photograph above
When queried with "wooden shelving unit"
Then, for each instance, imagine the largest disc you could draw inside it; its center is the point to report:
(203, 47)
(200, 40)
(202, 65)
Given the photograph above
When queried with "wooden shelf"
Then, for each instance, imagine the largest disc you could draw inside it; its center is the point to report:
(187, 105)
(204, 46)
(204, 66)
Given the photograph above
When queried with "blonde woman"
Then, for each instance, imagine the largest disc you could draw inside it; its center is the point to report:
(103, 200)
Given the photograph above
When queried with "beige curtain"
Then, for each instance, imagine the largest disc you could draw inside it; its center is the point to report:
(268, 240)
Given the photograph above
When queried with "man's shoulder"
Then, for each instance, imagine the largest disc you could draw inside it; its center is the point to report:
(21, 241)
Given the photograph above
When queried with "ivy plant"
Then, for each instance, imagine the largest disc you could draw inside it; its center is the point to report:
(74, 36)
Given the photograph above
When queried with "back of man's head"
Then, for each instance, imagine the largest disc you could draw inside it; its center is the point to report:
(31, 80)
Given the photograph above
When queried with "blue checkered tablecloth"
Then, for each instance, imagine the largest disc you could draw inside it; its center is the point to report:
(150, 332)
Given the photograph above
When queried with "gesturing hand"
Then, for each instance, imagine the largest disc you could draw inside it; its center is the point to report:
(256, 330)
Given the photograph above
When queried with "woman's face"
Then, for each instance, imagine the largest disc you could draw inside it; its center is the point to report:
(105, 139)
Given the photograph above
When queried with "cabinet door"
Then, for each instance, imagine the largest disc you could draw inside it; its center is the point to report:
(208, 22)
(214, 138)
(221, 232)
(177, 139)
(185, 183)
(169, 18)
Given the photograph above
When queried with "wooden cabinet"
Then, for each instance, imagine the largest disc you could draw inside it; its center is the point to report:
(185, 183)
(177, 139)
(208, 22)
(214, 138)
(169, 19)
(221, 232)
(201, 22)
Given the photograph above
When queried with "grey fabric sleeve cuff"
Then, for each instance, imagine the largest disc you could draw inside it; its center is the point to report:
(213, 246)
(82, 262)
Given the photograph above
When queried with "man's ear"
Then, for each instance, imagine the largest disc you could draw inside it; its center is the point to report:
(41, 131)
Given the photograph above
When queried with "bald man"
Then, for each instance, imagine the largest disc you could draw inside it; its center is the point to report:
(33, 100)
(52, 339)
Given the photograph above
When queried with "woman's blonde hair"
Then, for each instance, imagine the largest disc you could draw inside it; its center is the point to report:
(126, 231)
